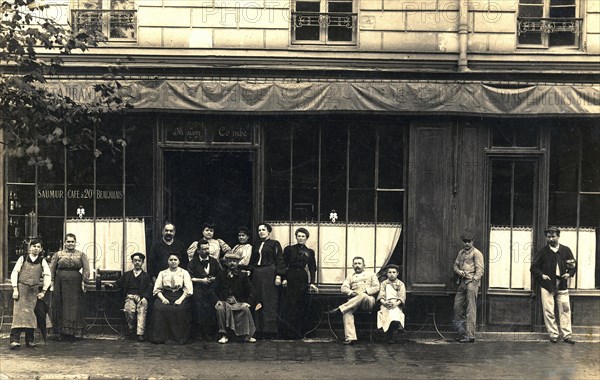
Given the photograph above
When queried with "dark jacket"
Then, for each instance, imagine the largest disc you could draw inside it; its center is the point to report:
(159, 256)
(197, 271)
(299, 257)
(545, 262)
(237, 285)
(272, 254)
(146, 285)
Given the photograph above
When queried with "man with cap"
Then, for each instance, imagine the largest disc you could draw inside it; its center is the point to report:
(392, 296)
(553, 266)
(236, 297)
(137, 287)
(468, 266)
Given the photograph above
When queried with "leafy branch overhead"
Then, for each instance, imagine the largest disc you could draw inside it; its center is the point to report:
(32, 47)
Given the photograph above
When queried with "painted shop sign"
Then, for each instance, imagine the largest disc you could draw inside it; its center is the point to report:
(233, 134)
(82, 193)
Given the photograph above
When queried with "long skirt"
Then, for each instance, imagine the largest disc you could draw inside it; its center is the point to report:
(295, 303)
(68, 308)
(236, 318)
(171, 322)
(23, 308)
(263, 279)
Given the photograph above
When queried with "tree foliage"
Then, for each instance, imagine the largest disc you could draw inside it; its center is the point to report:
(32, 117)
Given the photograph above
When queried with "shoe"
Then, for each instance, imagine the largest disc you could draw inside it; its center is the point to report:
(15, 345)
(224, 340)
(30, 345)
(458, 338)
(348, 342)
(333, 311)
(250, 339)
(553, 340)
(140, 338)
(467, 340)
(569, 340)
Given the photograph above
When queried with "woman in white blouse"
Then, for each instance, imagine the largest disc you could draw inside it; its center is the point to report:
(171, 314)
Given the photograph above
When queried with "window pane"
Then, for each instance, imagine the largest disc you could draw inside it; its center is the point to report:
(590, 159)
(333, 155)
(340, 6)
(138, 159)
(590, 211)
(305, 172)
(361, 206)
(562, 209)
(340, 29)
(333, 169)
(530, 38)
(277, 172)
(51, 231)
(514, 133)
(564, 158)
(500, 197)
(390, 206)
(51, 198)
(19, 171)
(307, 25)
(391, 156)
(56, 172)
(109, 171)
(362, 157)
(530, 10)
(523, 185)
(561, 39)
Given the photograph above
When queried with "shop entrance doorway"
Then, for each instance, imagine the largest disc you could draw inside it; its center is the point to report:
(208, 186)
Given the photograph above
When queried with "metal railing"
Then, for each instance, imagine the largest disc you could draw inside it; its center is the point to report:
(549, 25)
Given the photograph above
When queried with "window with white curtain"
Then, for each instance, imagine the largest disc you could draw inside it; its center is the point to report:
(343, 180)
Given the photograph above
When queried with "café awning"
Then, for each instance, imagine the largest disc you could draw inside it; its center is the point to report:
(360, 96)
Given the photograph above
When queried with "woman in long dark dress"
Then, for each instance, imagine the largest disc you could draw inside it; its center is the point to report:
(267, 267)
(171, 314)
(68, 306)
(297, 258)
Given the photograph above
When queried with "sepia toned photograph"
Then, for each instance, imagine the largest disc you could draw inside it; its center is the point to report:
(300, 189)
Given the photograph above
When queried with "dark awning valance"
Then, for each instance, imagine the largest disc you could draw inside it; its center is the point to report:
(419, 97)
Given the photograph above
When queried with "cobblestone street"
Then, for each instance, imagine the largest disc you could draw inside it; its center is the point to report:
(109, 358)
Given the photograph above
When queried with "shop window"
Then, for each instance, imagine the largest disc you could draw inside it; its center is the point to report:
(115, 19)
(84, 192)
(346, 183)
(330, 22)
(549, 23)
(574, 201)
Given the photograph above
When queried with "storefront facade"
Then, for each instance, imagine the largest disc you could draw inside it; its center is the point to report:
(376, 153)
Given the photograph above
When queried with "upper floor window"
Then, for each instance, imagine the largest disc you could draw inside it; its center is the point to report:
(116, 19)
(330, 22)
(548, 23)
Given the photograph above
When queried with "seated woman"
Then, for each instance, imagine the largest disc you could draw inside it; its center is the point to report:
(171, 314)
(244, 248)
(392, 296)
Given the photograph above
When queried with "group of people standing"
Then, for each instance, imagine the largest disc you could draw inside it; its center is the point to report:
(252, 291)
(216, 292)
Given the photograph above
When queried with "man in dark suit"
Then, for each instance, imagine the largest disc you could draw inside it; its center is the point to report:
(137, 287)
(553, 267)
(203, 270)
(159, 253)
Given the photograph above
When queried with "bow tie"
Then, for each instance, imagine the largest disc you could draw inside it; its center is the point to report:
(204, 263)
